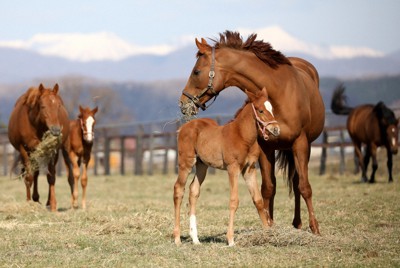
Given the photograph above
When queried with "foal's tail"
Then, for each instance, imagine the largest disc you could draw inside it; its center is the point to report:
(285, 161)
(339, 99)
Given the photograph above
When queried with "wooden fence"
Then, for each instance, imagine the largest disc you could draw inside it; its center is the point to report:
(150, 147)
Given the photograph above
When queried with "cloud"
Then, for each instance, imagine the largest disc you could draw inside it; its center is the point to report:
(85, 47)
(108, 46)
(283, 41)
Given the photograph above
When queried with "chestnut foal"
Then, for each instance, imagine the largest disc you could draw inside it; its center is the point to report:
(232, 147)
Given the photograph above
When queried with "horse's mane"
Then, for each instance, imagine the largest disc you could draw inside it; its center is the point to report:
(261, 49)
(383, 112)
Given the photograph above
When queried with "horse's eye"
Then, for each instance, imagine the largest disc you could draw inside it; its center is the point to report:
(196, 72)
(261, 111)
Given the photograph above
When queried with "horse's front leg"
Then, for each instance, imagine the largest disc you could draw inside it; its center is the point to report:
(26, 172)
(51, 179)
(389, 163)
(234, 172)
(301, 153)
(373, 149)
(361, 160)
(268, 185)
(194, 193)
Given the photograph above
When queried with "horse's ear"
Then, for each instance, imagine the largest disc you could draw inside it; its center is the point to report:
(264, 92)
(252, 97)
(41, 88)
(80, 109)
(202, 46)
(55, 88)
(95, 110)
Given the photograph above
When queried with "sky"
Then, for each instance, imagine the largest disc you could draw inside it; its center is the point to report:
(88, 30)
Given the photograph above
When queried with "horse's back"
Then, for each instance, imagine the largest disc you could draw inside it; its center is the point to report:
(362, 124)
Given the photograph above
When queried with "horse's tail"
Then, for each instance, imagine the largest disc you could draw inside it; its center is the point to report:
(339, 99)
(285, 161)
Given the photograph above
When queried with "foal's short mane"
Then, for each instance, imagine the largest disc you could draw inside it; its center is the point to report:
(261, 49)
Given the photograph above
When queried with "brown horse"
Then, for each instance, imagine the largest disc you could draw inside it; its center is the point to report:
(35, 112)
(81, 136)
(232, 147)
(293, 89)
(372, 125)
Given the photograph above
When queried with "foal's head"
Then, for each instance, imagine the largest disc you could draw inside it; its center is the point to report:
(86, 117)
(388, 124)
(264, 115)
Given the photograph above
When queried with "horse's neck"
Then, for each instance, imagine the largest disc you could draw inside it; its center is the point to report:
(245, 124)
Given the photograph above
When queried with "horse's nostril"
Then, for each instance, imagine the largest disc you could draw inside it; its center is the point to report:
(55, 131)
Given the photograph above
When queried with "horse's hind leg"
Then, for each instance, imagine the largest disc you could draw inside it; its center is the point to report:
(185, 164)
(35, 193)
(361, 160)
(194, 193)
(249, 174)
(301, 152)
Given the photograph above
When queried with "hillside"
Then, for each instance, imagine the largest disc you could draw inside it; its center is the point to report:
(148, 101)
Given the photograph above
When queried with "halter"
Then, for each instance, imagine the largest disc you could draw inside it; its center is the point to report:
(262, 125)
(211, 75)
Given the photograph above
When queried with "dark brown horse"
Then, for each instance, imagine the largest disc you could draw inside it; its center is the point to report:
(81, 136)
(372, 125)
(293, 89)
(35, 112)
(232, 147)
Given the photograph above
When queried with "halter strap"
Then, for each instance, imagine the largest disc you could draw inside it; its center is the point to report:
(262, 125)
(210, 87)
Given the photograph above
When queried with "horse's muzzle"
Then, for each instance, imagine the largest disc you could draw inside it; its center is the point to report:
(188, 109)
(55, 131)
(274, 130)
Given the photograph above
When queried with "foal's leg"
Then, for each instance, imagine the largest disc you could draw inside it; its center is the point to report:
(84, 182)
(389, 163)
(234, 172)
(194, 193)
(249, 174)
(185, 166)
(75, 173)
(301, 152)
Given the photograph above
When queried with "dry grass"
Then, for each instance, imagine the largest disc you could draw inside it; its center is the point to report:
(129, 223)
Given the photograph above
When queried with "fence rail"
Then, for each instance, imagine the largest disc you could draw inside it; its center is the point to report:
(150, 147)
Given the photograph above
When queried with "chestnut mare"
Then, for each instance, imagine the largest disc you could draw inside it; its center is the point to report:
(81, 136)
(232, 147)
(293, 89)
(372, 125)
(37, 111)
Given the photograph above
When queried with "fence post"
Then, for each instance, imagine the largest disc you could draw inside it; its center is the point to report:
(107, 142)
(342, 154)
(139, 151)
(322, 167)
(151, 151)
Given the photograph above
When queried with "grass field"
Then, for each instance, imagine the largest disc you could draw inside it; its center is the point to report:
(129, 223)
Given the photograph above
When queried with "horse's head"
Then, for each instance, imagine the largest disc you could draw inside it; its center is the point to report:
(204, 82)
(389, 125)
(87, 120)
(46, 105)
(264, 115)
